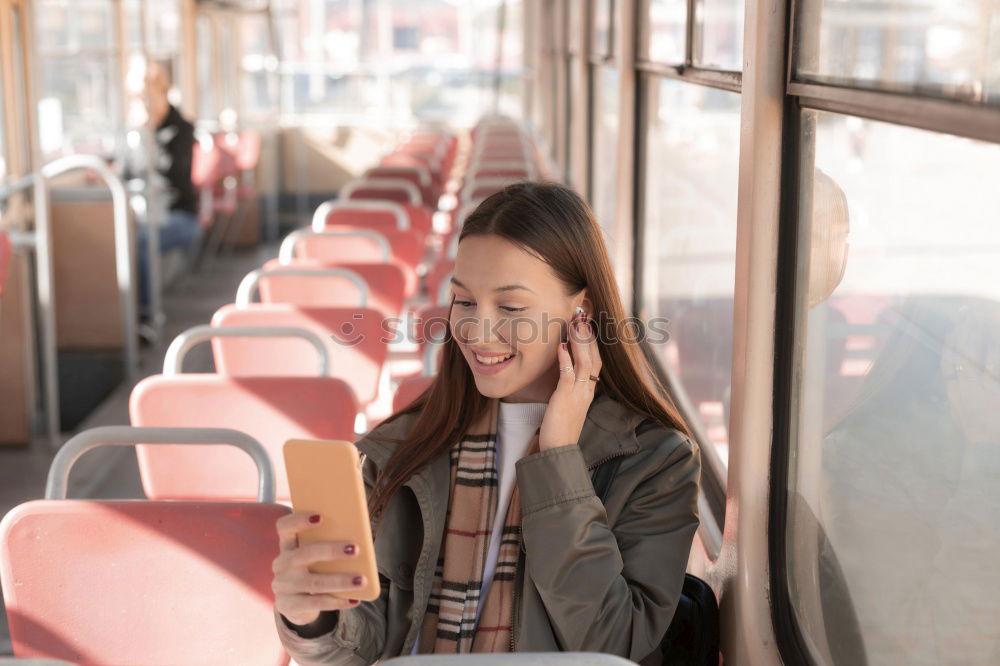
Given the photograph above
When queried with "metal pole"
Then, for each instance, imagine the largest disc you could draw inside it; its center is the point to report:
(46, 287)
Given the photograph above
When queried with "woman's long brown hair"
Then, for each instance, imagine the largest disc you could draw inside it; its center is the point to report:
(553, 223)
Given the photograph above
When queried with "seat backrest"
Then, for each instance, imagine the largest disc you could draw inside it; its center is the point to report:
(388, 189)
(355, 341)
(409, 390)
(141, 582)
(386, 286)
(269, 409)
(435, 280)
(352, 244)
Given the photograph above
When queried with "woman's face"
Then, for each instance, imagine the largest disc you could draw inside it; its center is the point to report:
(509, 304)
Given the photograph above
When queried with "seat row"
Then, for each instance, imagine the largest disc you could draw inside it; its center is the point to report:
(303, 351)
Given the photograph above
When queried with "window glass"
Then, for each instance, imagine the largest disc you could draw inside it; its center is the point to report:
(603, 11)
(605, 150)
(936, 48)
(397, 62)
(70, 25)
(209, 105)
(689, 262)
(4, 100)
(258, 66)
(665, 31)
(895, 477)
(718, 35)
(80, 105)
(575, 24)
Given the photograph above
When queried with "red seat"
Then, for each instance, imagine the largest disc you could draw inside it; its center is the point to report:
(140, 582)
(437, 276)
(409, 390)
(356, 344)
(5, 252)
(418, 175)
(269, 409)
(386, 286)
(387, 189)
(338, 244)
(378, 215)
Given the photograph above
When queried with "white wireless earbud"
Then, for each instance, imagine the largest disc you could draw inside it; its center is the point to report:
(579, 310)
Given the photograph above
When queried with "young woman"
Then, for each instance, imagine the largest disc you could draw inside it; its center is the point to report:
(489, 535)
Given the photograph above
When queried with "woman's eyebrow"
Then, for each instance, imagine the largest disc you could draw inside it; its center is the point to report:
(506, 287)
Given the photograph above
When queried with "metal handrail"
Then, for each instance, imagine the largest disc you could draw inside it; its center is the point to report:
(396, 183)
(58, 479)
(248, 285)
(480, 182)
(422, 174)
(173, 361)
(286, 253)
(327, 207)
(46, 280)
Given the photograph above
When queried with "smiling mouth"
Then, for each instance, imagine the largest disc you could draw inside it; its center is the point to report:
(492, 360)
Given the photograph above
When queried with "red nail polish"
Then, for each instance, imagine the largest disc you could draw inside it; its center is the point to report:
(350, 548)
(353, 601)
(563, 345)
(356, 580)
(314, 518)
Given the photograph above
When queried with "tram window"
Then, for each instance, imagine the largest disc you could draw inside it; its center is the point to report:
(665, 30)
(895, 480)
(718, 35)
(80, 77)
(208, 104)
(603, 27)
(605, 149)
(945, 49)
(257, 65)
(575, 24)
(690, 176)
(75, 24)
(161, 34)
(3, 128)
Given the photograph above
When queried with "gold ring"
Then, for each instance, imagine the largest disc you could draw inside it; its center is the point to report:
(596, 379)
(582, 380)
(568, 368)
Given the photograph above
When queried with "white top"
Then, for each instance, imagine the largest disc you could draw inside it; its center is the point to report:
(516, 424)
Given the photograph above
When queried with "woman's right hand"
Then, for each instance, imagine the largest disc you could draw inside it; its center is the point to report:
(300, 595)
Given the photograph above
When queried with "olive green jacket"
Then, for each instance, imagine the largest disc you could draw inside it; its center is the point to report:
(593, 577)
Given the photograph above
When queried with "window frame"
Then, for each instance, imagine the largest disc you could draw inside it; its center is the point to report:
(909, 109)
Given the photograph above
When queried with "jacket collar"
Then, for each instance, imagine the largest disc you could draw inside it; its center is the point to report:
(608, 430)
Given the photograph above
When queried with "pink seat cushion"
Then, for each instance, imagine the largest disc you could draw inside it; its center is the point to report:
(355, 341)
(138, 582)
(269, 409)
(386, 286)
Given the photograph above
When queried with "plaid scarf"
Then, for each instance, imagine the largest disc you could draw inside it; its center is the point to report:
(449, 624)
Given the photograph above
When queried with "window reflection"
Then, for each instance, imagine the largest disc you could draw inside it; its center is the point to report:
(718, 42)
(605, 150)
(603, 10)
(690, 185)
(665, 31)
(434, 61)
(80, 102)
(897, 450)
(938, 48)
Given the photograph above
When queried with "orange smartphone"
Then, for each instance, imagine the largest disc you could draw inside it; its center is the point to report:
(324, 477)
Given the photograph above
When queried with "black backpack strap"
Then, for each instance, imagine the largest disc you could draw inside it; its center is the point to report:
(604, 475)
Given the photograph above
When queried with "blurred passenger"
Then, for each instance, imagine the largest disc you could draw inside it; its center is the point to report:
(911, 490)
(174, 153)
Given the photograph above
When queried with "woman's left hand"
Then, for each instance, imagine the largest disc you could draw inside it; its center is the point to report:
(567, 410)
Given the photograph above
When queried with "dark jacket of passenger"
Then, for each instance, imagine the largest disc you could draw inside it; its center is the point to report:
(175, 138)
(593, 577)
